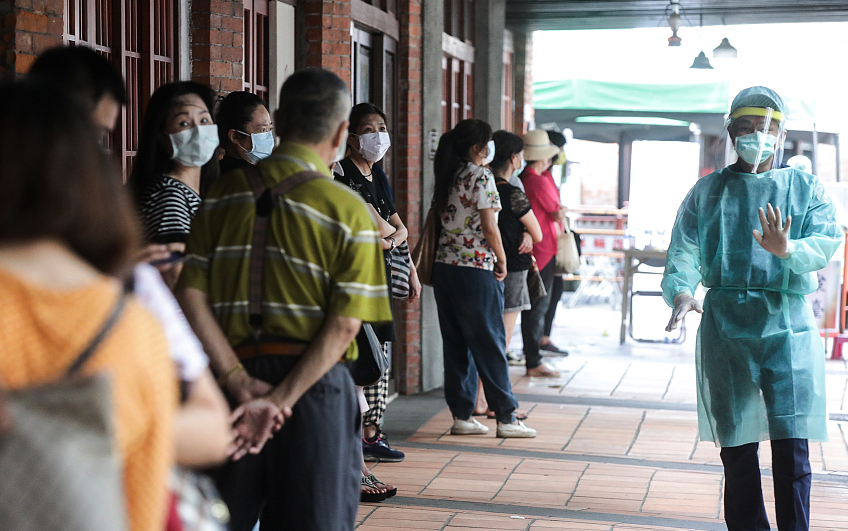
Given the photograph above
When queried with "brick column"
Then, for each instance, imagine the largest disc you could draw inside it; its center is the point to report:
(217, 44)
(27, 28)
(408, 191)
(327, 35)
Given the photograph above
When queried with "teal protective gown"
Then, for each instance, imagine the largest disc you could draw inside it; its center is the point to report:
(759, 355)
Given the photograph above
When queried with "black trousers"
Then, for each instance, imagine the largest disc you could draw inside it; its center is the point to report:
(744, 509)
(307, 477)
(533, 320)
(556, 295)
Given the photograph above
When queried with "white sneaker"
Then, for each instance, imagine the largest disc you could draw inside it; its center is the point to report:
(516, 430)
(468, 427)
(516, 359)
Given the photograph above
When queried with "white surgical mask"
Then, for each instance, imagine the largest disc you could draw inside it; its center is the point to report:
(373, 146)
(263, 145)
(488, 158)
(340, 153)
(196, 146)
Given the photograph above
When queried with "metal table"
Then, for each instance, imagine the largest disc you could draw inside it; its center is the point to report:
(640, 255)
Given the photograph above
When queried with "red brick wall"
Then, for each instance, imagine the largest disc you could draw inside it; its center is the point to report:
(27, 28)
(327, 35)
(408, 190)
(217, 44)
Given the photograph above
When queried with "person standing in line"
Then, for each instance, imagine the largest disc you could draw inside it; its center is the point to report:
(754, 234)
(544, 199)
(244, 130)
(368, 142)
(202, 427)
(468, 281)
(557, 287)
(312, 306)
(519, 231)
(176, 160)
(67, 231)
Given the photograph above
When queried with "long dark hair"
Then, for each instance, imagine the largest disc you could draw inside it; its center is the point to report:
(235, 112)
(452, 154)
(506, 146)
(154, 158)
(57, 181)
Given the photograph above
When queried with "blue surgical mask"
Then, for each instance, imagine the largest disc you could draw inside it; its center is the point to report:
(263, 145)
(747, 147)
(520, 169)
(491, 155)
(196, 146)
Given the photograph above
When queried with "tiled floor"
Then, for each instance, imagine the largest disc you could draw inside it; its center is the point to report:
(617, 449)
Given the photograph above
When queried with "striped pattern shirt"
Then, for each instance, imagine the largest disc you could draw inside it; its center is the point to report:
(323, 254)
(167, 208)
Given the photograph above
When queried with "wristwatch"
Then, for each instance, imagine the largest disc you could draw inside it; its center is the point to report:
(392, 241)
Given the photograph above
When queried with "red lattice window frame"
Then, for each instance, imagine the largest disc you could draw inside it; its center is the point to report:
(140, 38)
(257, 70)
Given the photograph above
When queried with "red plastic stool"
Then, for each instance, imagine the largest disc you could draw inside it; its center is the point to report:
(836, 352)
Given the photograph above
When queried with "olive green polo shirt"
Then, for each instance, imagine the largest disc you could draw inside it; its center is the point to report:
(323, 253)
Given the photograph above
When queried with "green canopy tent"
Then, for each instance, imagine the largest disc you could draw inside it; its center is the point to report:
(571, 103)
(621, 112)
(638, 106)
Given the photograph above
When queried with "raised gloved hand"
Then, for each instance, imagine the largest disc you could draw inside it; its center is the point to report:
(775, 235)
(683, 304)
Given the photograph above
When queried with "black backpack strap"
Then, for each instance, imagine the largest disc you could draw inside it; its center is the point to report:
(113, 318)
(266, 198)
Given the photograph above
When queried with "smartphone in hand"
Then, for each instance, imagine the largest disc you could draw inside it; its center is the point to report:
(173, 258)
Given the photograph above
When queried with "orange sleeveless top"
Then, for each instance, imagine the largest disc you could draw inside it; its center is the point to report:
(43, 330)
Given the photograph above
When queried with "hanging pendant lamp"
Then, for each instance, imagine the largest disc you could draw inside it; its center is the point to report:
(702, 62)
(724, 50)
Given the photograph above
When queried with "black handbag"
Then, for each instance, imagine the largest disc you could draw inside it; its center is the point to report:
(535, 286)
(372, 363)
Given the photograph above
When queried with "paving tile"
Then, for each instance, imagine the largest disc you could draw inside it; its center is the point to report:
(581, 442)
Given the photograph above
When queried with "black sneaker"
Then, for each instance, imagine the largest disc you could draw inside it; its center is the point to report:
(553, 349)
(380, 451)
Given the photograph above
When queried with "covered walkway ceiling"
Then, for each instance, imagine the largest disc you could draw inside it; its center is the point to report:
(531, 15)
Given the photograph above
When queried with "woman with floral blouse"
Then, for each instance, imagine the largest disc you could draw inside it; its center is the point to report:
(468, 281)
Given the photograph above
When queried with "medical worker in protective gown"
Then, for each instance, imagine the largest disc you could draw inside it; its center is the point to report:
(754, 234)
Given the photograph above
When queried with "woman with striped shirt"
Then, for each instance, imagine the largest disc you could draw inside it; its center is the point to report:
(176, 159)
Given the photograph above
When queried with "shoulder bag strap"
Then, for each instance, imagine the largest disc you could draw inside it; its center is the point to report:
(101, 335)
(265, 200)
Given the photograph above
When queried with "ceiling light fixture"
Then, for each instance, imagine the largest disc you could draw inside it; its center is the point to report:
(674, 22)
(701, 62)
(724, 50)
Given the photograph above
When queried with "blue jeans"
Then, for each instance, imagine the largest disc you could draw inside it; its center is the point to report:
(470, 303)
(743, 494)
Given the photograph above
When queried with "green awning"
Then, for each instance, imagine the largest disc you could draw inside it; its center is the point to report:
(631, 120)
(710, 98)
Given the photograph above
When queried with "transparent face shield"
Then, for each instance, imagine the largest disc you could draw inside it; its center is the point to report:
(758, 136)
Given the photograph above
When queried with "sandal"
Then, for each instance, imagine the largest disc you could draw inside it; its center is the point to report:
(379, 485)
(518, 416)
(370, 497)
